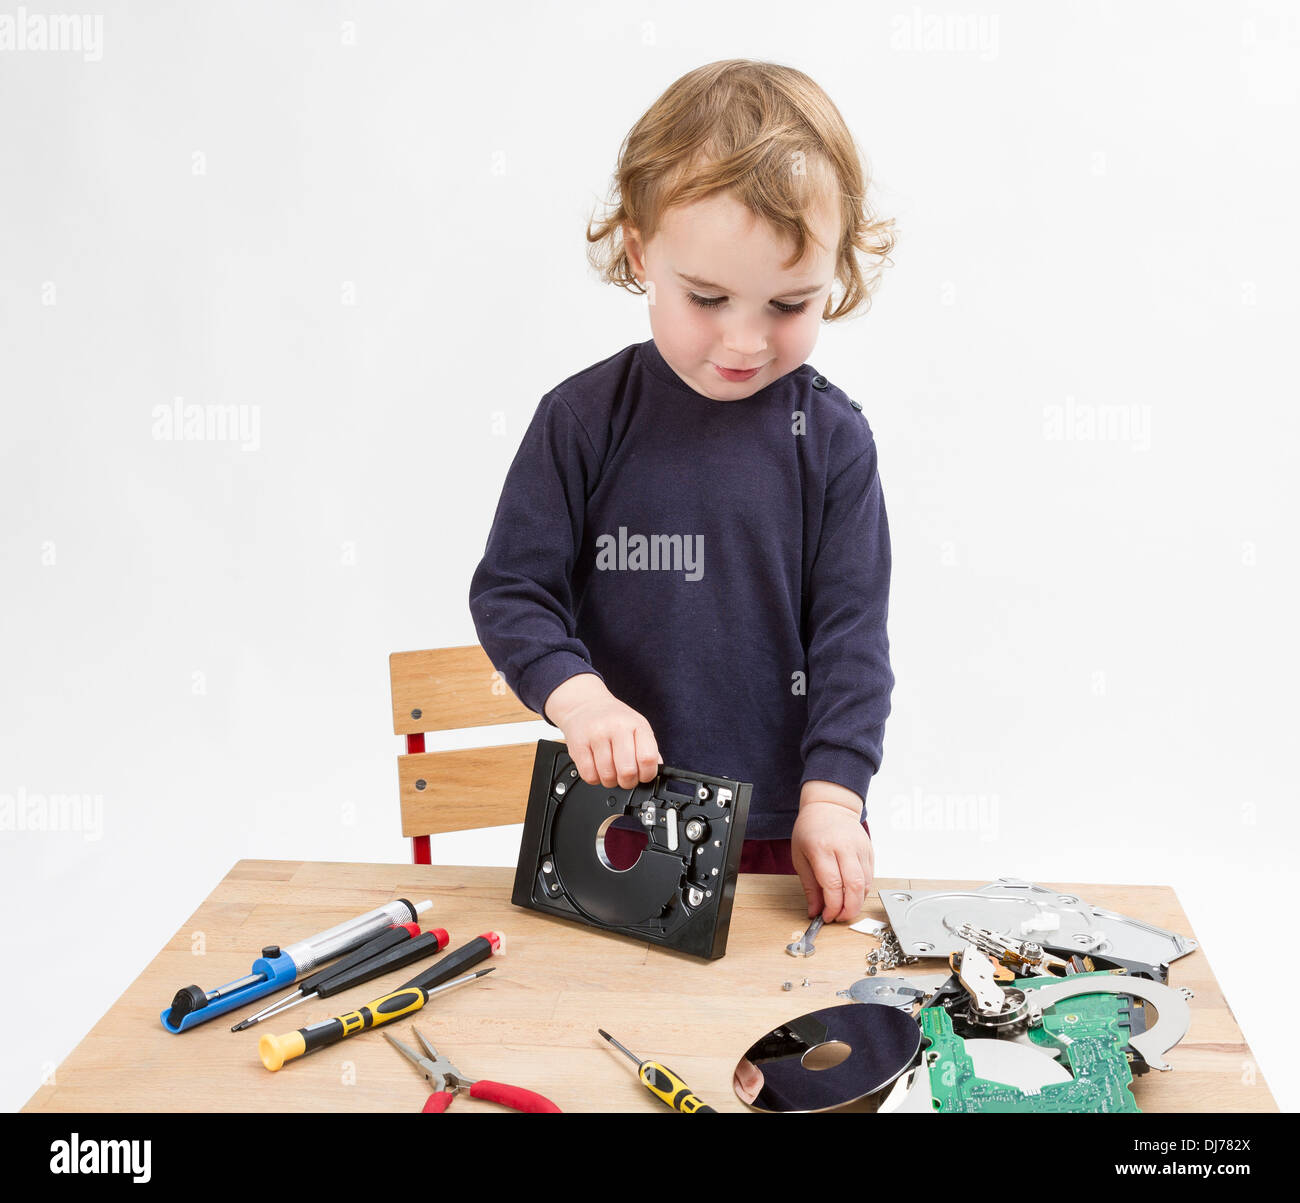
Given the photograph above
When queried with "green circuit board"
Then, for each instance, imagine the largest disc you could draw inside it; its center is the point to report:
(1086, 1012)
(1094, 1053)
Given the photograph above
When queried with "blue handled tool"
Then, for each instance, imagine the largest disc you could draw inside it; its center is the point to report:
(278, 967)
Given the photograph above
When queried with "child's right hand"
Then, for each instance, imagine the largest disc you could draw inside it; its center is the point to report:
(609, 741)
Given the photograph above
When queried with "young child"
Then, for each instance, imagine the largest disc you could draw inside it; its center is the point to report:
(690, 560)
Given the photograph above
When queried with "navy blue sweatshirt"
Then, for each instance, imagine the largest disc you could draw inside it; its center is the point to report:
(723, 566)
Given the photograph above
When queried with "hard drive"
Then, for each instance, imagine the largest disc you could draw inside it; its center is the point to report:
(679, 891)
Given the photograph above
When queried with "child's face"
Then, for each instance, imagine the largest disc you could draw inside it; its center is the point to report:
(765, 316)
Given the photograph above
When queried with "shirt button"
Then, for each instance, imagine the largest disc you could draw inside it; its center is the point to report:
(855, 405)
(820, 382)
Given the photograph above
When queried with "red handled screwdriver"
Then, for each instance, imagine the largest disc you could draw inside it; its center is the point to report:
(427, 945)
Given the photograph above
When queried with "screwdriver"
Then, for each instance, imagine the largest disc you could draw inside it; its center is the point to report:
(665, 1085)
(343, 975)
(276, 1050)
(405, 1000)
(383, 941)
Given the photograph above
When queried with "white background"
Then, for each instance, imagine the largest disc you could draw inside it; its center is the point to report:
(1095, 636)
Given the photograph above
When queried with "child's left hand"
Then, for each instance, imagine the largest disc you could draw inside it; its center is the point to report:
(832, 853)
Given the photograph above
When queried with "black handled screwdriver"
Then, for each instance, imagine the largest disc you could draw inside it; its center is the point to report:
(661, 1082)
(372, 947)
(340, 977)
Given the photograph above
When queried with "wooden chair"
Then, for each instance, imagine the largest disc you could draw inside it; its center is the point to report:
(447, 689)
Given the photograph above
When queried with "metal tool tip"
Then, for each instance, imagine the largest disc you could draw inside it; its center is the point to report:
(605, 1034)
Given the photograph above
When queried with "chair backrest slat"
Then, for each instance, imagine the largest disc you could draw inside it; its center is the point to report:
(450, 687)
(465, 788)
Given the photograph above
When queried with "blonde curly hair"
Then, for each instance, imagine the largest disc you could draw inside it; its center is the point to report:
(771, 137)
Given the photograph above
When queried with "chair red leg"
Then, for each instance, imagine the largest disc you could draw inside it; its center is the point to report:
(419, 843)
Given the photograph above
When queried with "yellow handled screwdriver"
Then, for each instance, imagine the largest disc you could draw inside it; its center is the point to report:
(661, 1082)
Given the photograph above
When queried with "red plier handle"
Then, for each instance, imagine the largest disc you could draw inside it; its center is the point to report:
(514, 1097)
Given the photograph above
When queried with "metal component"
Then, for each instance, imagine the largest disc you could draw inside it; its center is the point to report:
(976, 974)
(702, 793)
(695, 831)
(560, 787)
(803, 945)
(670, 819)
(1015, 1065)
(1173, 1016)
(927, 923)
(1013, 1017)
(547, 866)
(787, 985)
(890, 953)
(724, 798)
(1027, 958)
(694, 895)
(892, 991)
(870, 927)
(647, 814)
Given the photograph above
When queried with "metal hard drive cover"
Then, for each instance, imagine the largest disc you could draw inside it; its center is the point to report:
(926, 922)
(678, 894)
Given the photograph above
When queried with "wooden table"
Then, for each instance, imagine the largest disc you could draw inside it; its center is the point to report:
(533, 1022)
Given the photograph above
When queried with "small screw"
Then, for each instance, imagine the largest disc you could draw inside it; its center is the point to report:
(560, 788)
(787, 985)
(806, 982)
(421, 783)
(417, 713)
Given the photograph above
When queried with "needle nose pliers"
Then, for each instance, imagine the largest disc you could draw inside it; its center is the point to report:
(447, 1081)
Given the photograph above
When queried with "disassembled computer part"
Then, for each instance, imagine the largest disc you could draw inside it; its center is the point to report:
(900, 992)
(926, 923)
(679, 891)
(1173, 1016)
(827, 1059)
(1099, 1079)
(1024, 957)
